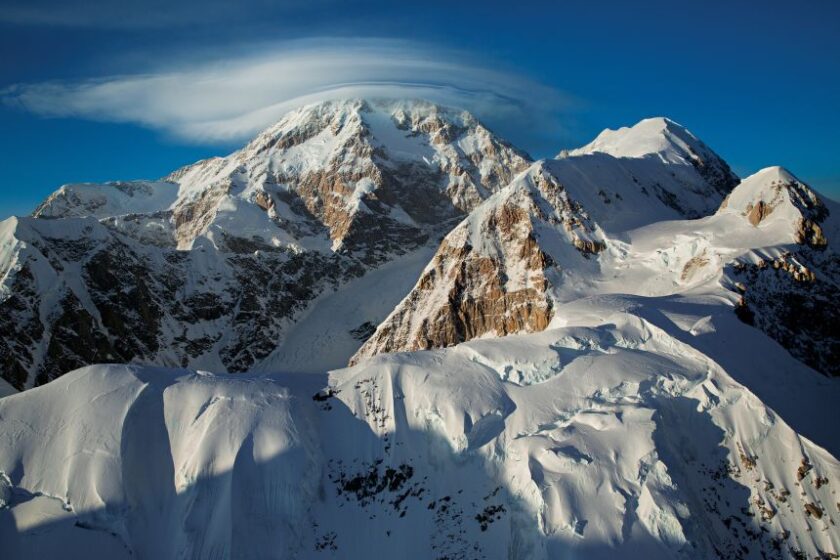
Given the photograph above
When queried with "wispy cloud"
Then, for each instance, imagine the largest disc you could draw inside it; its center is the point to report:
(229, 99)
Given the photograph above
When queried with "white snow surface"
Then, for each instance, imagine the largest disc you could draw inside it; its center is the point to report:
(109, 199)
(655, 170)
(656, 136)
(620, 434)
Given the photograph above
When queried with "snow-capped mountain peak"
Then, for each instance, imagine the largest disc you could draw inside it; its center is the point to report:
(774, 197)
(331, 175)
(628, 169)
(667, 141)
(652, 136)
(493, 273)
(238, 247)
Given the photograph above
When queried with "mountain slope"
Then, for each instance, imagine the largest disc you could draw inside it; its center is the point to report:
(791, 293)
(78, 292)
(718, 256)
(213, 266)
(491, 274)
(603, 440)
(652, 171)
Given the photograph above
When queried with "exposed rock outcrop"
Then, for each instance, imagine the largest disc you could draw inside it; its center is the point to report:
(793, 299)
(491, 274)
(776, 193)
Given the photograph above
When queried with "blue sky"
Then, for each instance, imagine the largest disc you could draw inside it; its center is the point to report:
(97, 90)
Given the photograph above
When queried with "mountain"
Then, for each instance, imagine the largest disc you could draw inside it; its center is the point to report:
(624, 351)
(539, 241)
(511, 264)
(698, 175)
(493, 272)
(609, 437)
(336, 174)
(775, 198)
(789, 291)
(213, 266)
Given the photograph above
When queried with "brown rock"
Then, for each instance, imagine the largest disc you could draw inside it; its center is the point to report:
(814, 511)
(757, 213)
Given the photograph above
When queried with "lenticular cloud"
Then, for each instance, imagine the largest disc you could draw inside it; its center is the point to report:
(230, 99)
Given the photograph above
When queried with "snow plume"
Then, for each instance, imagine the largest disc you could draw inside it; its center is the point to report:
(230, 98)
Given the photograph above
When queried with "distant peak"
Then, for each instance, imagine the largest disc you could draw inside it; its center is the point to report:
(662, 121)
(667, 141)
(650, 136)
(353, 114)
(774, 173)
(775, 194)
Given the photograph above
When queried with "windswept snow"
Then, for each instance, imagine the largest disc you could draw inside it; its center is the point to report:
(647, 171)
(615, 439)
(110, 199)
(657, 136)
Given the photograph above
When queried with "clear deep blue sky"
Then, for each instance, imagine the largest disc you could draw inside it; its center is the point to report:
(757, 81)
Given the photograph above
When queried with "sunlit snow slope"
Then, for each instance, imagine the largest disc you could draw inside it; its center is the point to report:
(612, 437)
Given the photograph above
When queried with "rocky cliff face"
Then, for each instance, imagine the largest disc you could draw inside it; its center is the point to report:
(791, 293)
(793, 299)
(211, 266)
(493, 274)
(103, 298)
